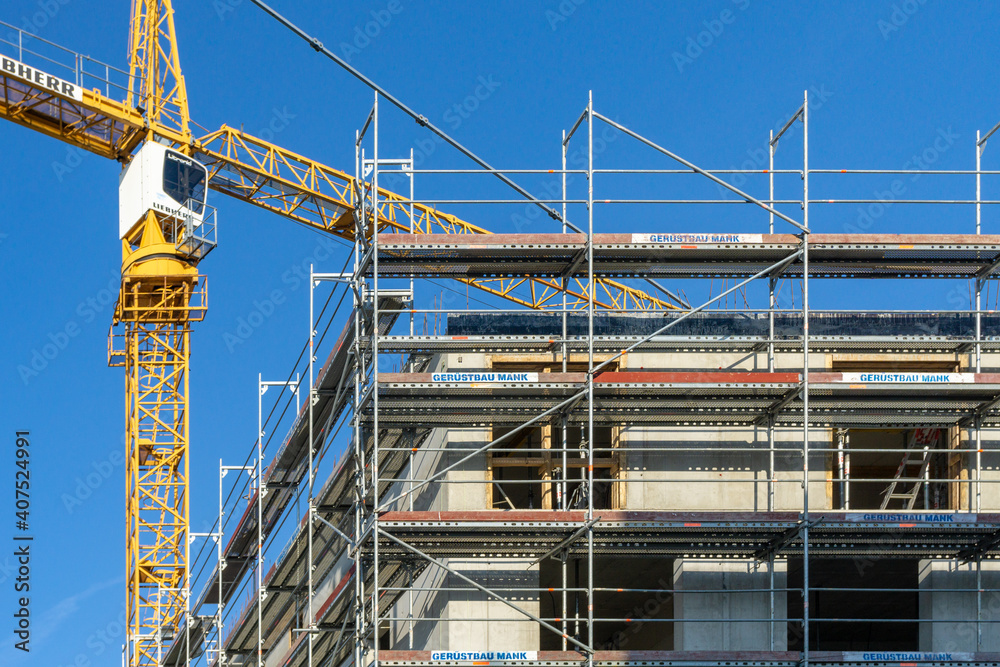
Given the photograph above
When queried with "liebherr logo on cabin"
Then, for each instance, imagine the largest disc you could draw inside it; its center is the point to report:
(39, 78)
(187, 162)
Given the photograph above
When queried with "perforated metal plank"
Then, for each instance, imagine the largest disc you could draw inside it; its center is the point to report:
(623, 255)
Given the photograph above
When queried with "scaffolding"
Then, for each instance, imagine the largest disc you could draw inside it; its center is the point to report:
(515, 470)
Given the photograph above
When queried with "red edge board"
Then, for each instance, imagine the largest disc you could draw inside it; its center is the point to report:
(576, 516)
(638, 377)
(601, 239)
(616, 656)
(626, 377)
(678, 656)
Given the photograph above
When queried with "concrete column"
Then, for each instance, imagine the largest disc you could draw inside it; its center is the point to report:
(990, 461)
(726, 579)
(943, 605)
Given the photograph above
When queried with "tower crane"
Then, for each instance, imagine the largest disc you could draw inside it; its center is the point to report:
(166, 229)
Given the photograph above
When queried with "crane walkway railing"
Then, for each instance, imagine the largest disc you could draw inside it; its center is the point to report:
(84, 71)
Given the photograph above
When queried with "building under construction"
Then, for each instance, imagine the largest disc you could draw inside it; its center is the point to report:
(589, 470)
(702, 486)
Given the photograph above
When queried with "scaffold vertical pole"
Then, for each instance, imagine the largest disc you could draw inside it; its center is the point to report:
(979, 281)
(770, 578)
(980, 145)
(805, 378)
(311, 510)
(770, 230)
(564, 420)
(258, 474)
(590, 377)
(219, 608)
(847, 470)
(187, 600)
(358, 454)
(979, 602)
(770, 463)
(257, 477)
(374, 385)
(412, 191)
(771, 148)
(770, 369)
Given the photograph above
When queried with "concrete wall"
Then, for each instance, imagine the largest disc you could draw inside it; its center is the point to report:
(722, 480)
(424, 607)
(461, 488)
(721, 361)
(943, 605)
(470, 620)
(989, 487)
(729, 578)
(446, 614)
(703, 479)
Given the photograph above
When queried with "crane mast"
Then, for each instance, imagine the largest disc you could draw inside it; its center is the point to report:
(166, 229)
(161, 295)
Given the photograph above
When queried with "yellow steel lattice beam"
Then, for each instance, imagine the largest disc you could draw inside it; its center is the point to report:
(313, 194)
(156, 83)
(95, 124)
(156, 363)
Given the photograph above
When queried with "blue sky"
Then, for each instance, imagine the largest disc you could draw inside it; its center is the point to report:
(705, 79)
